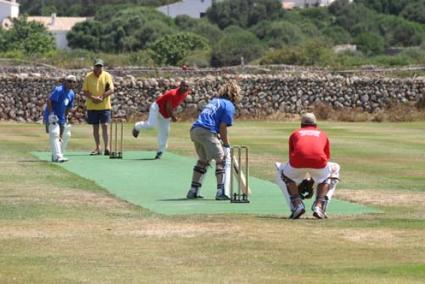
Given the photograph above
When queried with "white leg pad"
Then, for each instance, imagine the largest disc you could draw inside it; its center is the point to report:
(282, 185)
(228, 172)
(334, 178)
(55, 145)
(65, 137)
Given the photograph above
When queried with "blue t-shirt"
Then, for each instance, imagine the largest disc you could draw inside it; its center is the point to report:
(217, 111)
(61, 99)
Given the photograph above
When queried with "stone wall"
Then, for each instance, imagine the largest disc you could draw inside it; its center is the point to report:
(22, 96)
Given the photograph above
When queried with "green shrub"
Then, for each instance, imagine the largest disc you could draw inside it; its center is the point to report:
(313, 52)
(233, 47)
(198, 59)
(171, 49)
(370, 43)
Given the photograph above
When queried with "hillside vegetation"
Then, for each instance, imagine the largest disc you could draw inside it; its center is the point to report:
(242, 31)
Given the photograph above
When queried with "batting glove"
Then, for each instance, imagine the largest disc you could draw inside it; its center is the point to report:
(53, 118)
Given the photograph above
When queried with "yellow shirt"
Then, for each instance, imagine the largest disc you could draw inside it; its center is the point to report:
(96, 87)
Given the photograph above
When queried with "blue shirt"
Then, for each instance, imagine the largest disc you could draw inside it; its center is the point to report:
(61, 99)
(217, 111)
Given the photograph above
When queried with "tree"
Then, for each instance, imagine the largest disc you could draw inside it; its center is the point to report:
(201, 27)
(171, 49)
(279, 33)
(243, 13)
(337, 34)
(123, 30)
(415, 11)
(400, 32)
(83, 8)
(370, 43)
(235, 45)
(86, 35)
(28, 37)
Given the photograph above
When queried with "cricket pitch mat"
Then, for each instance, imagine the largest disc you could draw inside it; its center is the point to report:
(161, 186)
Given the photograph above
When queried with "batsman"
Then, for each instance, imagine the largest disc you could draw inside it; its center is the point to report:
(309, 154)
(209, 136)
(55, 115)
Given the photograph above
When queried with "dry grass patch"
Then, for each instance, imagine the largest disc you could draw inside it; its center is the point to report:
(146, 227)
(382, 197)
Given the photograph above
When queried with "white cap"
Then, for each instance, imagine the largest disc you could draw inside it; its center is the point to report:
(308, 118)
(71, 78)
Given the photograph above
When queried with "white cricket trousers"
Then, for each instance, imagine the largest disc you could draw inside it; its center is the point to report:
(156, 120)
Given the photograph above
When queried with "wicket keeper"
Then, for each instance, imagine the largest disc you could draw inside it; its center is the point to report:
(309, 154)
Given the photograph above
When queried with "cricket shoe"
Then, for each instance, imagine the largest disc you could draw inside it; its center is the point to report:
(297, 212)
(221, 195)
(193, 194)
(319, 213)
(135, 132)
(61, 160)
(297, 207)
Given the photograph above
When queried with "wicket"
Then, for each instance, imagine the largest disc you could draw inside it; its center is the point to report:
(241, 196)
(116, 129)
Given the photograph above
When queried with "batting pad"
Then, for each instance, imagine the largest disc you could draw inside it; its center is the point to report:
(161, 186)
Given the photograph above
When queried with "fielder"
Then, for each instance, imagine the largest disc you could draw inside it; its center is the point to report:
(161, 113)
(309, 154)
(55, 115)
(209, 136)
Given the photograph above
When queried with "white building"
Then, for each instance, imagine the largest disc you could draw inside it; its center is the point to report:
(59, 27)
(290, 4)
(8, 11)
(191, 8)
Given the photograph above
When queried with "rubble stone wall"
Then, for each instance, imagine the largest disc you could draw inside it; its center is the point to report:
(22, 96)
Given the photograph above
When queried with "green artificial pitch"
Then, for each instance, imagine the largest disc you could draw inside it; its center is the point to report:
(161, 186)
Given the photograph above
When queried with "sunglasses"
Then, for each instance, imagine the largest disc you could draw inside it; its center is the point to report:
(71, 81)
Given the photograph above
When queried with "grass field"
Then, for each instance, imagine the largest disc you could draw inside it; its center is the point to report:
(56, 227)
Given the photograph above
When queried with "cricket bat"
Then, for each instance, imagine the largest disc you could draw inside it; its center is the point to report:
(246, 190)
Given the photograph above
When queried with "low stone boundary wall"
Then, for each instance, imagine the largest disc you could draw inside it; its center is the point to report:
(22, 96)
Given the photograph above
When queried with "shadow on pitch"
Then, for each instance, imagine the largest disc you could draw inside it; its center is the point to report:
(185, 199)
(273, 217)
(32, 161)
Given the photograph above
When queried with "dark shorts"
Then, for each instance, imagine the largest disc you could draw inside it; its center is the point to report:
(98, 116)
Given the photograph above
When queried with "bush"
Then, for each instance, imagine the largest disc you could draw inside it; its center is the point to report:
(279, 33)
(171, 49)
(337, 34)
(234, 46)
(370, 43)
(198, 59)
(313, 52)
(28, 37)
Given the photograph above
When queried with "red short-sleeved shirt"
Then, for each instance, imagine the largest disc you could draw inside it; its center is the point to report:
(309, 148)
(175, 97)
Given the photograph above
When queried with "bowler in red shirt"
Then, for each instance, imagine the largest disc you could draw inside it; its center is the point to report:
(161, 113)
